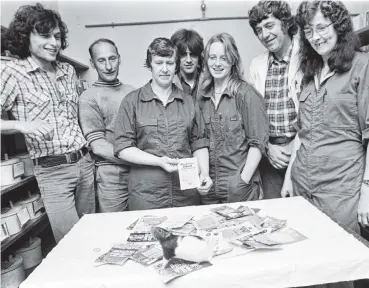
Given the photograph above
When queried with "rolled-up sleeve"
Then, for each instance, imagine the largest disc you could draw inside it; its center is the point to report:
(363, 103)
(125, 125)
(90, 118)
(199, 137)
(254, 117)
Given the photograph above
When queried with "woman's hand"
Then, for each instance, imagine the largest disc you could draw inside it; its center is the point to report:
(363, 208)
(168, 164)
(205, 184)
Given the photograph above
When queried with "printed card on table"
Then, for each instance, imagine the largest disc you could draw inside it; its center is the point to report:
(175, 221)
(119, 253)
(188, 171)
(148, 255)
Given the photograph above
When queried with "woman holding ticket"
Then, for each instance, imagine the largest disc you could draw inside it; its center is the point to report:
(236, 121)
(158, 124)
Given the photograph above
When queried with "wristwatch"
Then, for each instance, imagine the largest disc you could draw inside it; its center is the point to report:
(366, 182)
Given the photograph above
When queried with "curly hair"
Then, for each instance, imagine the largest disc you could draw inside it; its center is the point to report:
(27, 19)
(161, 47)
(343, 53)
(232, 55)
(281, 10)
(184, 38)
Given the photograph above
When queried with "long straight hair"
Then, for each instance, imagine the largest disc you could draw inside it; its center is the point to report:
(231, 52)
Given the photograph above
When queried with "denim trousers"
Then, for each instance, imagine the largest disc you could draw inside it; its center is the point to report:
(112, 187)
(68, 193)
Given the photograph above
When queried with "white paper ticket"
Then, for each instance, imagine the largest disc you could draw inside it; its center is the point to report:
(188, 171)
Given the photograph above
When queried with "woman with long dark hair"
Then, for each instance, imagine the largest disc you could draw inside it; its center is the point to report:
(330, 167)
(236, 121)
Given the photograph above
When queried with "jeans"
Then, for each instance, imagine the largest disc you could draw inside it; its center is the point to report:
(272, 179)
(112, 187)
(68, 193)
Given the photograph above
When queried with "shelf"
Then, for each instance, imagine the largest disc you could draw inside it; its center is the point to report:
(26, 180)
(77, 65)
(363, 34)
(42, 222)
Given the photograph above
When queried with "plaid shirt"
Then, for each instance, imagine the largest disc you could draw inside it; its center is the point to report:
(29, 93)
(280, 108)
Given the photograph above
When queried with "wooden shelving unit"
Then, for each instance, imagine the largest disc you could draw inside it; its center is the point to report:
(77, 65)
(25, 180)
(32, 227)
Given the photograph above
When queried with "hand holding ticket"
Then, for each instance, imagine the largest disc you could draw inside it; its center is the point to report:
(188, 171)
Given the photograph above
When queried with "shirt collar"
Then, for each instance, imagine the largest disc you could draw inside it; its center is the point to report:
(149, 95)
(182, 79)
(211, 92)
(31, 66)
(286, 58)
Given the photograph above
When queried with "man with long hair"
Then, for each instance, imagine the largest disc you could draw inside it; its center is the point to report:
(41, 94)
(276, 75)
(98, 108)
(190, 47)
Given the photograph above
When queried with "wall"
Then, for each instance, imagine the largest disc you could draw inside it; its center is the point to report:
(132, 41)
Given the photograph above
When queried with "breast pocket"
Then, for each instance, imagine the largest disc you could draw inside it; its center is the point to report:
(340, 110)
(72, 106)
(234, 130)
(147, 133)
(38, 106)
(304, 117)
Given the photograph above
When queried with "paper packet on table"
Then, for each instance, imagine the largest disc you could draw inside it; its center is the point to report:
(250, 245)
(175, 222)
(217, 242)
(272, 224)
(145, 223)
(246, 229)
(148, 255)
(141, 237)
(206, 222)
(119, 254)
(177, 268)
(285, 236)
(187, 229)
(231, 213)
(188, 172)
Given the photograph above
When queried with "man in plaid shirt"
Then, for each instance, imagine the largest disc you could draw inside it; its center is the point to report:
(41, 94)
(276, 75)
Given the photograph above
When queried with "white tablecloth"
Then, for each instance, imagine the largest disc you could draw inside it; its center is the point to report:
(329, 255)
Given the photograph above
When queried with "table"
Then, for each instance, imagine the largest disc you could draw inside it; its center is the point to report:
(329, 255)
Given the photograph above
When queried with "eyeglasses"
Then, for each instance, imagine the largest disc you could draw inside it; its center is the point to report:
(321, 30)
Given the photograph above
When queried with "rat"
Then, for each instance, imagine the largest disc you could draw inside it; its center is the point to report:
(190, 248)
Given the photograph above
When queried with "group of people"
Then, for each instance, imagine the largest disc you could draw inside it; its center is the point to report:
(298, 126)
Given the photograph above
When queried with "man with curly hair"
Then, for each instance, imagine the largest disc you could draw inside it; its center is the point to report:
(41, 94)
(190, 47)
(276, 75)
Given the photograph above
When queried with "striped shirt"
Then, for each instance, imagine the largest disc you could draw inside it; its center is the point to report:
(280, 108)
(29, 93)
